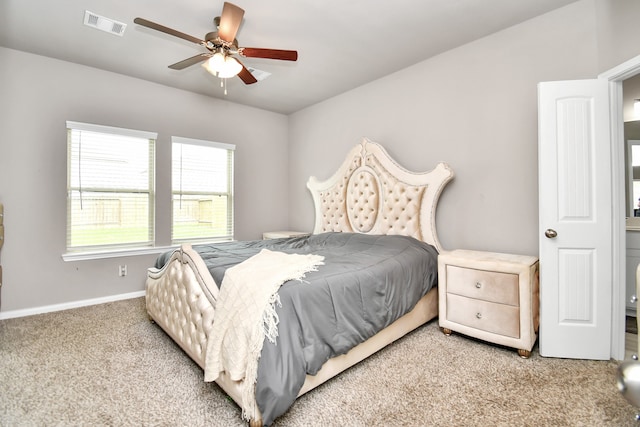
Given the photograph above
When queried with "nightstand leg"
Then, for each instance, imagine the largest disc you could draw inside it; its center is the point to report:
(524, 353)
(446, 331)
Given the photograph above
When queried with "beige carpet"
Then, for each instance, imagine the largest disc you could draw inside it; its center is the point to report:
(108, 365)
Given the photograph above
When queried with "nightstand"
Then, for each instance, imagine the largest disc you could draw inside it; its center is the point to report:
(280, 234)
(490, 296)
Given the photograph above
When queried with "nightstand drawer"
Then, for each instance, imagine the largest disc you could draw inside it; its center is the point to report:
(487, 316)
(484, 285)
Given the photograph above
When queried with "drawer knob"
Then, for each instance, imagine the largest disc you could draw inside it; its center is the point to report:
(479, 315)
(478, 285)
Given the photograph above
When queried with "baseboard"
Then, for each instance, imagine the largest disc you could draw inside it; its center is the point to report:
(68, 305)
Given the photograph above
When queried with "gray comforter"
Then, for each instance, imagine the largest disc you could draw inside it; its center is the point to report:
(367, 283)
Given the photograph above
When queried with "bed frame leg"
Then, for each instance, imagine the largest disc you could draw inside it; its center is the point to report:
(525, 354)
(255, 423)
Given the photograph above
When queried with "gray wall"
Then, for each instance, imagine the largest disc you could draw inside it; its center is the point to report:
(618, 31)
(474, 107)
(38, 95)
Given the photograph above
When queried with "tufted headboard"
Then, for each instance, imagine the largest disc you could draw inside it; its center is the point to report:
(370, 193)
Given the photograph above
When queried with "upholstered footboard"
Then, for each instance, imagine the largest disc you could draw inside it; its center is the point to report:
(180, 298)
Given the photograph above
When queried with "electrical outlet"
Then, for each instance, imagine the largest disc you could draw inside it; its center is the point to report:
(122, 270)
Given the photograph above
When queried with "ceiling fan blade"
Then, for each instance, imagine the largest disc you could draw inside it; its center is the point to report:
(167, 30)
(230, 21)
(256, 52)
(246, 76)
(190, 61)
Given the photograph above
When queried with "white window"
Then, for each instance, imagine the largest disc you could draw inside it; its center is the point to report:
(202, 190)
(110, 187)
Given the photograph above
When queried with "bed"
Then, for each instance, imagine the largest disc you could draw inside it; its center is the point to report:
(371, 207)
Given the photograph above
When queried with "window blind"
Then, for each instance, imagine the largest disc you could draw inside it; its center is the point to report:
(110, 187)
(202, 190)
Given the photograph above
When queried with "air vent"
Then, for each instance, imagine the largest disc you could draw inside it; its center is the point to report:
(104, 24)
(258, 74)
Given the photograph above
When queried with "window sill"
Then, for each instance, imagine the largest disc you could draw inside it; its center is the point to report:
(147, 250)
(116, 253)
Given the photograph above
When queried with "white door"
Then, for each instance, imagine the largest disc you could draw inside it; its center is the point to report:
(575, 219)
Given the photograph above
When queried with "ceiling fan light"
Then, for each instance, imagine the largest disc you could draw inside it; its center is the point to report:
(222, 66)
(215, 64)
(231, 68)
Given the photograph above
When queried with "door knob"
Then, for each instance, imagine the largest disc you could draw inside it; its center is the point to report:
(550, 233)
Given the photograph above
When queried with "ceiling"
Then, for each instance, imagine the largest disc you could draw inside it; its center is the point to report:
(341, 44)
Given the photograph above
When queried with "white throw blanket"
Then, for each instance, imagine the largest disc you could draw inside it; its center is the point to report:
(245, 314)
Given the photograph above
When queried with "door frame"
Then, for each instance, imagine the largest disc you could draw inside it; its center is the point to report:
(615, 77)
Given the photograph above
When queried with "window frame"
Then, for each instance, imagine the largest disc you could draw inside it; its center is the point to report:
(118, 249)
(229, 193)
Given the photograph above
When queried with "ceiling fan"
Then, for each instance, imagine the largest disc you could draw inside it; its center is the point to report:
(222, 45)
